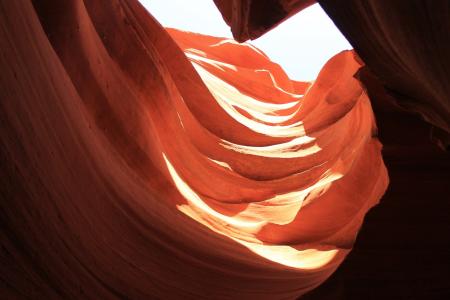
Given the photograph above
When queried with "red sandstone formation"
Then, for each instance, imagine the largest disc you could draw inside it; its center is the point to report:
(249, 19)
(139, 162)
(404, 43)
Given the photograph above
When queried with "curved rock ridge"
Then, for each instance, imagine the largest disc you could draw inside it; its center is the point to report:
(140, 162)
(402, 42)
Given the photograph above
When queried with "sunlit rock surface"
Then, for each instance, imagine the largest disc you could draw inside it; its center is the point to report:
(412, 38)
(402, 251)
(139, 162)
(403, 42)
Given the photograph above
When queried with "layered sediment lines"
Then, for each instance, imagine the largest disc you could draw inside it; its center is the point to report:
(140, 162)
(405, 47)
(402, 42)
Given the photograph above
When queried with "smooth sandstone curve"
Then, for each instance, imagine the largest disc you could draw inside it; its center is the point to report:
(141, 162)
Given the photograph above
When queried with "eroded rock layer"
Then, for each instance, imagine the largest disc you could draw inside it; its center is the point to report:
(404, 43)
(139, 162)
(402, 251)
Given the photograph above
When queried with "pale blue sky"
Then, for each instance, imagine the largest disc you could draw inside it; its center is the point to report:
(301, 45)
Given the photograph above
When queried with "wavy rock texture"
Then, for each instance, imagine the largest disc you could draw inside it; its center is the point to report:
(402, 251)
(144, 163)
(404, 43)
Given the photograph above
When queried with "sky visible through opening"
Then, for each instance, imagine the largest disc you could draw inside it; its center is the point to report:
(301, 45)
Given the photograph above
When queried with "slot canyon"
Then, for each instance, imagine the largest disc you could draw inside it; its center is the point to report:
(144, 162)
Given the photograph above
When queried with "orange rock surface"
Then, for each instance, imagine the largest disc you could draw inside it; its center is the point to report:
(139, 162)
